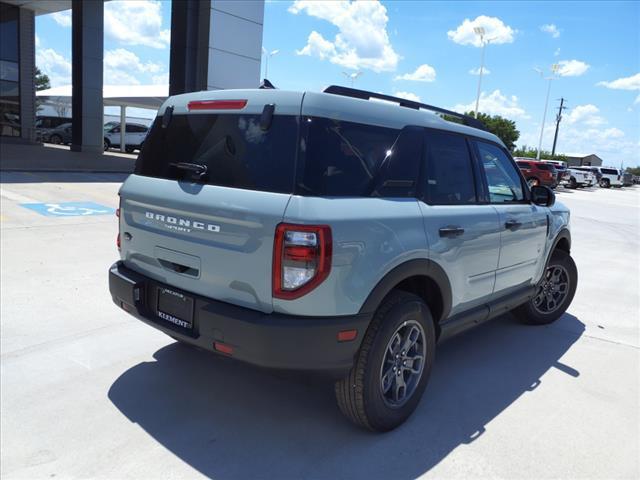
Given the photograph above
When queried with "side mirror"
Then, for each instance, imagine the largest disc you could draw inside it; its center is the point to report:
(543, 196)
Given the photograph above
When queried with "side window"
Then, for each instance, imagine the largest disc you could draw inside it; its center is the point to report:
(449, 173)
(503, 179)
(524, 165)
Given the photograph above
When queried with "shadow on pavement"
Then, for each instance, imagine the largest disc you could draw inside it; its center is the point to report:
(230, 420)
(61, 177)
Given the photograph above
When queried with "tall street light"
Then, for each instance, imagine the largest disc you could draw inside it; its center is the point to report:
(554, 69)
(267, 55)
(480, 32)
(352, 76)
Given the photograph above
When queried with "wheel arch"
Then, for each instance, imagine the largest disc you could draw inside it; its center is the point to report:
(423, 277)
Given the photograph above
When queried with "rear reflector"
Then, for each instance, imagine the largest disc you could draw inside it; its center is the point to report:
(347, 335)
(217, 105)
(222, 348)
(118, 241)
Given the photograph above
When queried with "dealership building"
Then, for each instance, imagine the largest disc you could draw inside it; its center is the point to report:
(215, 44)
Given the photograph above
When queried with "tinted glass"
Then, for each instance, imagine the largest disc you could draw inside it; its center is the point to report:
(449, 171)
(8, 33)
(524, 164)
(609, 171)
(235, 150)
(544, 166)
(352, 159)
(503, 179)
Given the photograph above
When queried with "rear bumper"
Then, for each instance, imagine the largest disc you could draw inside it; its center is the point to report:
(267, 340)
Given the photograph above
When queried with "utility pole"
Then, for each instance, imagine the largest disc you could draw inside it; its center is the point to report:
(558, 120)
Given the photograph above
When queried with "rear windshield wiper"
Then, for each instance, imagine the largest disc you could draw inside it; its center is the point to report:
(196, 169)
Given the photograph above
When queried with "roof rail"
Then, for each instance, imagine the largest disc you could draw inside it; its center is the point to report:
(403, 102)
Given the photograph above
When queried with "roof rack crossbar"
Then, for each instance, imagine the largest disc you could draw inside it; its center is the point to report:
(403, 102)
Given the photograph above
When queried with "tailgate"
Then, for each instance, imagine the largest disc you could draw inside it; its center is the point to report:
(213, 241)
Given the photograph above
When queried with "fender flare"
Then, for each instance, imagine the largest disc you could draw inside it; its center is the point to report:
(565, 234)
(411, 268)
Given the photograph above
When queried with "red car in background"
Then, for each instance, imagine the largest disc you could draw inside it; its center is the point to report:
(538, 173)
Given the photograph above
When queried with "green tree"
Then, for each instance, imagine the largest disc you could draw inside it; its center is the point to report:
(634, 170)
(531, 152)
(41, 80)
(501, 127)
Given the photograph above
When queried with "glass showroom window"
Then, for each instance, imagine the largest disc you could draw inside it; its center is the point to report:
(9, 72)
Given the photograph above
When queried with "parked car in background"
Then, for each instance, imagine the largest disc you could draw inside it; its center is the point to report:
(606, 176)
(627, 179)
(61, 135)
(134, 136)
(45, 124)
(576, 178)
(537, 173)
(561, 168)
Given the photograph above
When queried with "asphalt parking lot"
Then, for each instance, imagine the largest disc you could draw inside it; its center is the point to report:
(88, 392)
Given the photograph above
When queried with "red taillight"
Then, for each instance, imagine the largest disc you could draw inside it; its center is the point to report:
(118, 217)
(217, 104)
(301, 259)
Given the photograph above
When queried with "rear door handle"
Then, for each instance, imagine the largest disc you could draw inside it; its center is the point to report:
(451, 231)
(512, 225)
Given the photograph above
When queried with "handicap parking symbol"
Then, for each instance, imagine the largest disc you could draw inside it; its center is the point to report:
(69, 209)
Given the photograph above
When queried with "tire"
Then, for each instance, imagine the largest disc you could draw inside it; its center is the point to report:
(572, 183)
(533, 181)
(106, 144)
(129, 149)
(55, 139)
(604, 183)
(360, 396)
(533, 312)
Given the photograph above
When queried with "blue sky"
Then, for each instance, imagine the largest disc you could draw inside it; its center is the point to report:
(422, 50)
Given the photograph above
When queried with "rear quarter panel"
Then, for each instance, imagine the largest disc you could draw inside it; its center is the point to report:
(371, 236)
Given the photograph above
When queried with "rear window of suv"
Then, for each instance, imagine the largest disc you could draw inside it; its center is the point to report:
(609, 171)
(235, 150)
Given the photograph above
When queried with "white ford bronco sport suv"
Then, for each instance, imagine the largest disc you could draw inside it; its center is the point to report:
(343, 231)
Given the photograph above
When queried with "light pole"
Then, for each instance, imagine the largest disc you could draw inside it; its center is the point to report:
(554, 69)
(352, 76)
(480, 31)
(267, 55)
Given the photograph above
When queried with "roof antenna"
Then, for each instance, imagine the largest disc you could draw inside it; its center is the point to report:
(266, 84)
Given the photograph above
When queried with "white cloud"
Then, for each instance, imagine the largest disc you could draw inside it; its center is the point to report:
(62, 18)
(56, 66)
(136, 23)
(572, 68)
(424, 73)
(362, 41)
(624, 83)
(123, 67)
(551, 29)
(637, 100)
(495, 31)
(37, 41)
(162, 79)
(317, 46)
(583, 129)
(584, 114)
(476, 71)
(495, 103)
(557, 52)
(407, 95)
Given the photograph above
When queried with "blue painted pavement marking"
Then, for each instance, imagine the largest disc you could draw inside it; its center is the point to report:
(69, 209)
